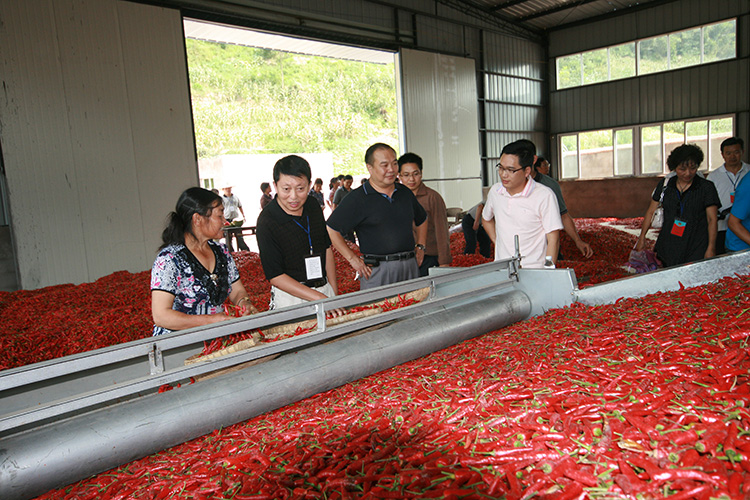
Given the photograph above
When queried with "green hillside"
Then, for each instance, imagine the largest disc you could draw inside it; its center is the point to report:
(248, 100)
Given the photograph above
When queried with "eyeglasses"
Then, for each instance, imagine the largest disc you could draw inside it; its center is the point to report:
(502, 170)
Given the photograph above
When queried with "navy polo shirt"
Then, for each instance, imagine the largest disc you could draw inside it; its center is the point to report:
(383, 224)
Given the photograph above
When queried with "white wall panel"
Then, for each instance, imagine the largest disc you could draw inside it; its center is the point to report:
(43, 188)
(96, 131)
(439, 105)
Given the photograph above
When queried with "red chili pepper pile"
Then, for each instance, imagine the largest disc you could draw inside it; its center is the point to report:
(645, 398)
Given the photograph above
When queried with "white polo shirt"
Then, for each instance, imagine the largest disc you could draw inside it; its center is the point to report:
(530, 214)
(726, 183)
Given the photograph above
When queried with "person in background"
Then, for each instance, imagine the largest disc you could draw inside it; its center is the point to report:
(234, 214)
(343, 190)
(438, 248)
(193, 276)
(333, 185)
(727, 178)
(520, 206)
(474, 231)
(541, 175)
(738, 233)
(266, 198)
(317, 192)
(295, 249)
(690, 211)
(541, 165)
(382, 212)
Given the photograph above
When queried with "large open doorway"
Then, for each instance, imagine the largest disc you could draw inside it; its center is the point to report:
(257, 97)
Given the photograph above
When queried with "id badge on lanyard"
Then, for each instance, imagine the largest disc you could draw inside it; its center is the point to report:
(313, 263)
(678, 228)
(314, 267)
(731, 197)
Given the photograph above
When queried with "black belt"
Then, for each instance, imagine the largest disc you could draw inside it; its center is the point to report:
(315, 283)
(391, 257)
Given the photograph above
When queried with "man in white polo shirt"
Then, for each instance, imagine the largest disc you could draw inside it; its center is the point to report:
(517, 205)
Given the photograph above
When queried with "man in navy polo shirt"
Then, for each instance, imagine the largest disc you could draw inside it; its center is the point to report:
(381, 212)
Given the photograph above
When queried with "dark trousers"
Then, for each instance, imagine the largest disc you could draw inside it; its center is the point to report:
(721, 237)
(472, 237)
(428, 262)
(240, 242)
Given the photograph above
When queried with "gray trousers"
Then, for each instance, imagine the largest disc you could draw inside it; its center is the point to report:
(390, 272)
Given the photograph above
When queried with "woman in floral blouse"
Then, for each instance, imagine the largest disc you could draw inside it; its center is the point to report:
(193, 276)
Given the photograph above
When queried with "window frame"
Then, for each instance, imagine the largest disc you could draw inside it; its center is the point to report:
(638, 152)
(638, 65)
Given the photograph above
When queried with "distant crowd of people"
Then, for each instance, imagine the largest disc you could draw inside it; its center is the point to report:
(400, 226)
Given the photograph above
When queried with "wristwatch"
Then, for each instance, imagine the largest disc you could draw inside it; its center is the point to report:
(420, 246)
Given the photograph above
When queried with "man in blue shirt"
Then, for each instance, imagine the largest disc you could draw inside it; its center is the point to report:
(738, 234)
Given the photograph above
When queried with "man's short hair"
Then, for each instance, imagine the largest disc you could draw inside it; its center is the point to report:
(529, 144)
(524, 149)
(264, 186)
(340, 177)
(731, 142)
(371, 151)
(539, 161)
(348, 177)
(684, 153)
(410, 158)
(293, 165)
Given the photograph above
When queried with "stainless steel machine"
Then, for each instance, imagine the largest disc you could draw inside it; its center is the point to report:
(69, 418)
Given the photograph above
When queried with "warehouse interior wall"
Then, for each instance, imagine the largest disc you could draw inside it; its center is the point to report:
(438, 96)
(96, 131)
(718, 88)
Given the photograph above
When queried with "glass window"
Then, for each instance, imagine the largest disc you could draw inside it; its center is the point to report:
(569, 148)
(674, 135)
(653, 55)
(651, 150)
(622, 61)
(685, 48)
(596, 158)
(697, 133)
(719, 41)
(704, 44)
(719, 130)
(569, 71)
(624, 152)
(595, 66)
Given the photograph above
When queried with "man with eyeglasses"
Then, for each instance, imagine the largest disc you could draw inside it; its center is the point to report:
(381, 212)
(727, 179)
(438, 247)
(520, 206)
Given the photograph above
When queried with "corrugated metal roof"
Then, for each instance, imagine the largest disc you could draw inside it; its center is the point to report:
(216, 32)
(548, 14)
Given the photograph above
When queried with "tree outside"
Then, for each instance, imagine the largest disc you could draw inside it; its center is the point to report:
(248, 100)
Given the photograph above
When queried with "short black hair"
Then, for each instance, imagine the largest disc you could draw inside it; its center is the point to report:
(348, 177)
(409, 158)
(539, 161)
(524, 149)
(264, 186)
(340, 177)
(683, 153)
(731, 142)
(529, 144)
(319, 181)
(293, 165)
(375, 147)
